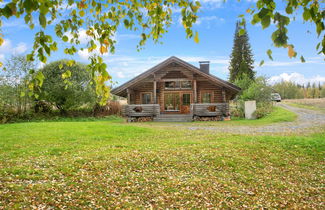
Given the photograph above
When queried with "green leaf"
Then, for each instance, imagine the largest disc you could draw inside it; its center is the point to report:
(60, 66)
(306, 14)
(126, 23)
(196, 37)
(42, 20)
(269, 53)
(22, 94)
(241, 32)
(71, 63)
(289, 9)
(266, 21)
(66, 74)
(81, 13)
(40, 77)
(263, 13)
(262, 62)
(65, 38)
(302, 59)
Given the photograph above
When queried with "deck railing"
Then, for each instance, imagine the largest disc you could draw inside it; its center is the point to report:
(210, 109)
(153, 110)
(141, 110)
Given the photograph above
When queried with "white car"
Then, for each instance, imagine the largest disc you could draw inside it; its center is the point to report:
(275, 97)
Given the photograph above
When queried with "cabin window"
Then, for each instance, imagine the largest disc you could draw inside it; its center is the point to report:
(171, 85)
(186, 84)
(172, 102)
(186, 99)
(206, 97)
(146, 98)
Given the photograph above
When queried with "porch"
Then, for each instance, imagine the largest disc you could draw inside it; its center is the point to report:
(153, 112)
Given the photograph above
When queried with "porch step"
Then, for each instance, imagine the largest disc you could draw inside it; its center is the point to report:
(173, 118)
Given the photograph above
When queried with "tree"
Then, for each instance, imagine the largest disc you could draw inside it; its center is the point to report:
(66, 87)
(258, 90)
(241, 58)
(289, 90)
(322, 92)
(101, 20)
(14, 86)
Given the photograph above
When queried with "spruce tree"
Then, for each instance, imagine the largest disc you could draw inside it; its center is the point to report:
(241, 58)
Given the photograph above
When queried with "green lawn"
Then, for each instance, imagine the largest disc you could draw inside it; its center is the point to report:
(114, 164)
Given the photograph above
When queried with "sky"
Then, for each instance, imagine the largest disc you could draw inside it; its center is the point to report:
(216, 26)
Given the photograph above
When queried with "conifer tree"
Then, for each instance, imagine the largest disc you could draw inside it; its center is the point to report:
(241, 58)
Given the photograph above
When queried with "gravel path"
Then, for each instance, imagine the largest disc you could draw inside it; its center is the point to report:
(306, 120)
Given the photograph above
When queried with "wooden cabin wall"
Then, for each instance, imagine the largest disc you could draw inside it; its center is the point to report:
(207, 86)
(143, 87)
(177, 72)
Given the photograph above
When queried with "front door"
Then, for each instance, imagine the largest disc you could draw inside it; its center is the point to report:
(172, 102)
(185, 103)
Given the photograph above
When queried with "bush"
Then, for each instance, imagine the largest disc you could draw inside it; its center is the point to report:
(237, 109)
(111, 108)
(263, 109)
(257, 90)
(67, 87)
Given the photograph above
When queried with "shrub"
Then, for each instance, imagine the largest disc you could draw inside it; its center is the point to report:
(111, 108)
(67, 87)
(263, 109)
(257, 90)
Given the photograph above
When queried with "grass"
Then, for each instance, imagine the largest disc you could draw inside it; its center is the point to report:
(312, 104)
(110, 163)
(278, 115)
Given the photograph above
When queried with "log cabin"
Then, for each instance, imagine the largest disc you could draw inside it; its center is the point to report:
(175, 90)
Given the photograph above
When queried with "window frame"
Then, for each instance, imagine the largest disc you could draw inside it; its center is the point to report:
(175, 81)
(211, 96)
(141, 97)
(190, 99)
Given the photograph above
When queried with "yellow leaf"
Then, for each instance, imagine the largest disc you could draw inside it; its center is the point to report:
(1, 41)
(1, 64)
(82, 13)
(248, 10)
(90, 49)
(196, 37)
(291, 52)
(106, 42)
(103, 49)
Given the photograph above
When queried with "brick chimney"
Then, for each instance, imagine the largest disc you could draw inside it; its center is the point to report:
(205, 66)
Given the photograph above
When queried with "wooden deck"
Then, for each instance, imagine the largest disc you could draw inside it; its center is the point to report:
(154, 112)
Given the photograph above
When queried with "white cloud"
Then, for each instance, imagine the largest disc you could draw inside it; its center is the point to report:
(2, 57)
(40, 65)
(296, 78)
(120, 75)
(20, 48)
(208, 20)
(211, 4)
(128, 36)
(7, 49)
(311, 60)
(83, 37)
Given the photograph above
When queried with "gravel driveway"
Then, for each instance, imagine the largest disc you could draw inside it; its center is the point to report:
(306, 120)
